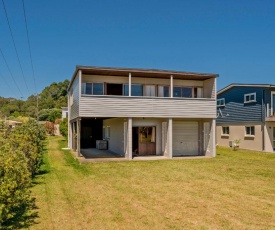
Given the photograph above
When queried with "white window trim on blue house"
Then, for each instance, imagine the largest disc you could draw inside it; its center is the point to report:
(225, 131)
(220, 102)
(250, 97)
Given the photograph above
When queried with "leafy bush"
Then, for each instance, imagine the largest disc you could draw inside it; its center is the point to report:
(43, 114)
(54, 114)
(15, 181)
(64, 128)
(30, 139)
(21, 152)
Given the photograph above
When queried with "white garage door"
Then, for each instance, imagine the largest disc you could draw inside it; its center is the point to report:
(185, 138)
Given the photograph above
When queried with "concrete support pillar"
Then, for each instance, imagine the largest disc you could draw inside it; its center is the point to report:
(171, 86)
(130, 84)
(170, 138)
(129, 139)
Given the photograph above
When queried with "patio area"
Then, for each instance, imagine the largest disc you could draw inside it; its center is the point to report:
(91, 153)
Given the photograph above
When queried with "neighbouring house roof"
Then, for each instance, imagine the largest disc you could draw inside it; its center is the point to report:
(149, 73)
(244, 85)
(10, 122)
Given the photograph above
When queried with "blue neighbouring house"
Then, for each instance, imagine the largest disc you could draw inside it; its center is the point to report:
(246, 112)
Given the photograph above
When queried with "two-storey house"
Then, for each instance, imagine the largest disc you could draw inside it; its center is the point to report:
(246, 113)
(142, 112)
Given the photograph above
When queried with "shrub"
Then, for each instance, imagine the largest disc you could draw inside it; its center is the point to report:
(64, 128)
(30, 139)
(15, 180)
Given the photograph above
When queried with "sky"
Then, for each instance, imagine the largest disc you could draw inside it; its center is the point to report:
(235, 39)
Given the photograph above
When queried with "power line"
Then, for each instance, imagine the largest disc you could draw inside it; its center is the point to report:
(6, 83)
(26, 24)
(11, 73)
(34, 80)
(15, 45)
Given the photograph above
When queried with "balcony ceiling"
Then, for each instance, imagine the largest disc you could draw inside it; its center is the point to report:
(149, 73)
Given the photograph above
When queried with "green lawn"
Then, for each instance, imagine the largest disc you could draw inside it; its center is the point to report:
(235, 190)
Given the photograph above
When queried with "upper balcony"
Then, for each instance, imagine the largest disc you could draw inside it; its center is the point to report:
(144, 93)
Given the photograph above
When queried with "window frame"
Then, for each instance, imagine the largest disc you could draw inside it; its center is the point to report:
(181, 91)
(222, 104)
(225, 128)
(249, 95)
(151, 87)
(92, 88)
(250, 133)
(135, 84)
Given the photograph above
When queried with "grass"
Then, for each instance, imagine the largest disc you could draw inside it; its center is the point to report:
(235, 190)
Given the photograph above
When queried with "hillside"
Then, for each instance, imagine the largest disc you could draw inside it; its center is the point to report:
(52, 97)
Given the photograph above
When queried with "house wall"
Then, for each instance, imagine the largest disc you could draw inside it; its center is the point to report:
(74, 101)
(117, 106)
(209, 87)
(64, 112)
(208, 137)
(116, 140)
(268, 134)
(235, 110)
(237, 131)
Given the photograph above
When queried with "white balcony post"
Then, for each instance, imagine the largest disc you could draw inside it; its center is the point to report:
(171, 86)
(267, 110)
(130, 84)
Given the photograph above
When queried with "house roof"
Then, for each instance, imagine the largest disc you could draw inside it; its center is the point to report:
(244, 85)
(150, 73)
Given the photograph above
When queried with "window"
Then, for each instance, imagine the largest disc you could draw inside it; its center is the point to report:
(183, 92)
(250, 130)
(92, 88)
(250, 97)
(106, 131)
(225, 130)
(114, 89)
(163, 91)
(150, 90)
(220, 102)
(97, 88)
(136, 90)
